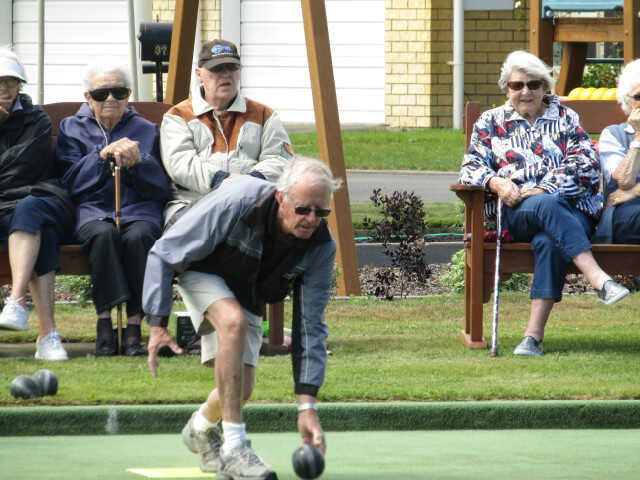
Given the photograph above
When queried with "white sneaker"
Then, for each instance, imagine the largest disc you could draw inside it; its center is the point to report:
(50, 347)
(242, 463)
(14, 316)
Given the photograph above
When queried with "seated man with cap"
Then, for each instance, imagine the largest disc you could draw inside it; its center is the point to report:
(35, 210)
(218, 133)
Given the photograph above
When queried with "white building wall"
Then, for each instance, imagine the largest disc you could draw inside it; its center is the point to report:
(76, 33)
(274, 58)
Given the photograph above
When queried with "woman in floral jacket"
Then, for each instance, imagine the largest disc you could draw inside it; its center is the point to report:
(534, 155)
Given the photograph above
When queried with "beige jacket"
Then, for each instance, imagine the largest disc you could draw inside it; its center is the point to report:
(196, 144)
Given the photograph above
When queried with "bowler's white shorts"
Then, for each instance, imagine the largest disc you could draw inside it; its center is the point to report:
(199, 291)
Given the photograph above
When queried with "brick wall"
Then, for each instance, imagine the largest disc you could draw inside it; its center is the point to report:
(489, 37)
(418, 47)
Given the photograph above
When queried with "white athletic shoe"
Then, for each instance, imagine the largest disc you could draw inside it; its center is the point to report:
(50, 347)
(206, 444)
(14, 316)
(242, 463)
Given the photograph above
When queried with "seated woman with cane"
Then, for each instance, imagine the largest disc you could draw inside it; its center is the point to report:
(107, 128)
(534, 155)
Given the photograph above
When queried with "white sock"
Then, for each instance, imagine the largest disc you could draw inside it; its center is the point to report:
(604, 278)
(200, 422)
(234, 435)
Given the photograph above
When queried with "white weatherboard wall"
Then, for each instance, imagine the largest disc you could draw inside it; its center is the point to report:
(274, 58)
(76, 33)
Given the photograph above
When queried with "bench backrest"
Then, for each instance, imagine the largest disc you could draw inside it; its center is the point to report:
(152, 111)
(594, 114)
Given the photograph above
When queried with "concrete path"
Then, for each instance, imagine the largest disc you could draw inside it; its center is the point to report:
(430, 186)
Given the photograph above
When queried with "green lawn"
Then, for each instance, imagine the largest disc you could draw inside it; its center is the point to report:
(402, 350)
(439, 216)
(437, 149)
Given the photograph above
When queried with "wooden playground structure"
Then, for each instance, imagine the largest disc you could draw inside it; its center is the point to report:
(576, 32)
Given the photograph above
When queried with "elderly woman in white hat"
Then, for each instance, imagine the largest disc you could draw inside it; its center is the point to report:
(35, 211)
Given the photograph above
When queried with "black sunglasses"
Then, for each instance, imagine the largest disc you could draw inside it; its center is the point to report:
(101, 94)
(531, 85)
(232, 67)
(635, 97)
(306, 210)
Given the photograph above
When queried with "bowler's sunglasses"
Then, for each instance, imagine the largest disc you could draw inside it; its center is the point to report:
(531, 85)
(232, 67)
(635, 97)
(306, 210)
(101, 94)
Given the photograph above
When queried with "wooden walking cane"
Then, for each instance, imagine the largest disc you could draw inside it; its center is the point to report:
(116, 176)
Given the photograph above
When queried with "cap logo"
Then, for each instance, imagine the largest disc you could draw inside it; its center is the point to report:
(221, 50)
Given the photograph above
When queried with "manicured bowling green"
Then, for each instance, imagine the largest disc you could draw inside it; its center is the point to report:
(408, 455)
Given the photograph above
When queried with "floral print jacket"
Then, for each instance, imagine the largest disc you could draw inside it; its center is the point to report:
(554, 154)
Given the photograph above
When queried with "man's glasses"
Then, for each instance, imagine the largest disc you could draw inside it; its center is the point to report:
(635, 97)
(531, 85)
(306, 210)
(9, 82)
(232, 67)
(101, 94)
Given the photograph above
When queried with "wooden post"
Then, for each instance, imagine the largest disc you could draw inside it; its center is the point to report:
(631, 34)
(329, 139)
(574, 55)
(181, 55)
(540, 34)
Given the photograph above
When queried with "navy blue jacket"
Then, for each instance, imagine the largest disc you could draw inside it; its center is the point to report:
(145, 187)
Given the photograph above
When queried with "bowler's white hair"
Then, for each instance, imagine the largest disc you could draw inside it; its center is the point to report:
(629, 78)
(306, 167)
(528, 64)
(107, 66)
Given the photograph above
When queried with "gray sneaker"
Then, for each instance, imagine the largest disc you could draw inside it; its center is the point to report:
(529, 346)
(612, 292)
(242, 463)
(206, 444)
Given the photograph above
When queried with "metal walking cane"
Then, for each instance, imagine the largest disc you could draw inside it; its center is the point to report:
(496, 282)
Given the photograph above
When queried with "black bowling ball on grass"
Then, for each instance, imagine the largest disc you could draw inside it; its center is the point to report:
(47, 381)
(23, 386)
(308, 462)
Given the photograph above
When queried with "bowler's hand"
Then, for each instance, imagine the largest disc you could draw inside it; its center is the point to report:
(158, 338)
(506, 190)
(311, 430)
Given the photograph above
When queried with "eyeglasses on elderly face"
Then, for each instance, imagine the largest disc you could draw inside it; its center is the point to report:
(306, 210)
(9, 82)
(232, 67)
(101, 94)
(531, 85)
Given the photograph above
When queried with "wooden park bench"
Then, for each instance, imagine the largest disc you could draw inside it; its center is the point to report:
(518, 257)
(74, 261)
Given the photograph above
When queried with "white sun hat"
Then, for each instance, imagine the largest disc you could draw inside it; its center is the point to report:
(10, 66)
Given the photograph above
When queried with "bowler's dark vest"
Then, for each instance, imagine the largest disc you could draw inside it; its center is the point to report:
(255, 280)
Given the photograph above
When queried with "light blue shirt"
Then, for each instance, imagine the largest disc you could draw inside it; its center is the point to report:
(612, 153)
(17, 105)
